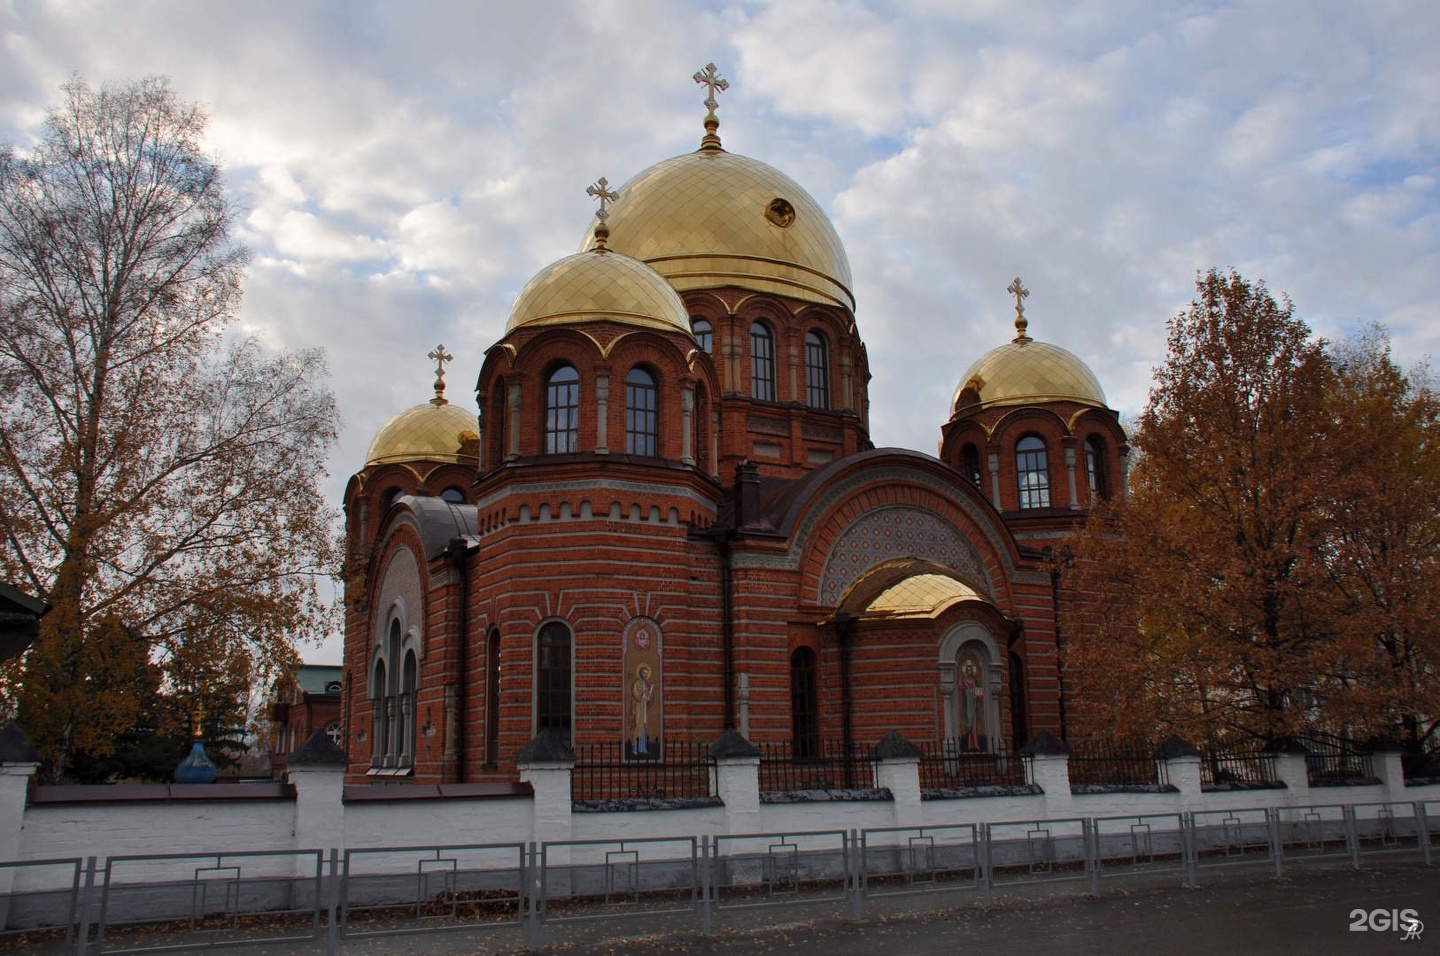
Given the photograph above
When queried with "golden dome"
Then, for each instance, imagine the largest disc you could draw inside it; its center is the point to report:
(434, 431)
(599, 285)
(1024, 372)
(712, 218)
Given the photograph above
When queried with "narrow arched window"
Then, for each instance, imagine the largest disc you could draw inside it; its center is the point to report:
(704, 333)
(641, 419)
(817, 371)
(562, 411)
(1033, 470)
(496, 418)
(804, 705)
(1095, 466)
(553, 703)
(379, 716)
(405, 709)
(970, 462)
(492, 698)
(762, 363)
(453, 495)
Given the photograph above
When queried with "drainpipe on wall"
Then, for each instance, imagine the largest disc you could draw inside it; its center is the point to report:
(1054, 560)
(460, 550)
(727, 631)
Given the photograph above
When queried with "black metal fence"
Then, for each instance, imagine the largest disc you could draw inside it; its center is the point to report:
(945, 764)
(1334, 760)
(1123, 763)
(1220, 767)
(832, 767)
(603, 772)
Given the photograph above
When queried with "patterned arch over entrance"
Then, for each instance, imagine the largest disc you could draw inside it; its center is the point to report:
(897, 532)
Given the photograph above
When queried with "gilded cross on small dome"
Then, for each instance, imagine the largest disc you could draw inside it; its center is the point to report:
(713, 83)
(441, 357)
(600, 189)
(1018, 290)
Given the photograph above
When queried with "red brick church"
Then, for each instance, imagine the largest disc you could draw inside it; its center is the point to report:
(667, 518)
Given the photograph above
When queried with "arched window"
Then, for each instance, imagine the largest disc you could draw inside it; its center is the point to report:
(553, 704)
(641, 419)
(496, 419)
(379, 716)
(405, 711)
(1095, 466)
(389, 498)
(804, 705)
(817, 371)
(492, 698)
(453, 495)
(704, 332)
(1033, 470)
(562, 411)
(762, 363)
(970, 462)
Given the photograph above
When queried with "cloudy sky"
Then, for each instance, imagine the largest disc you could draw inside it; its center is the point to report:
(405, 167)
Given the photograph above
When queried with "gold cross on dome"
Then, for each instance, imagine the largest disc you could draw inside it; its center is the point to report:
(600, 189)
(1018, 290)
(1020, 293)
(441, 357)
(713, 82)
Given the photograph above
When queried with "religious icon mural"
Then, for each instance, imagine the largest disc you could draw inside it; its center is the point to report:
(643, 704)
(971, 728)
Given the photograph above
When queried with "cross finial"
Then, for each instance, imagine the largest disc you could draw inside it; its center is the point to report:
(441, 357)
(600, 189)
(712, 81)
(1018, 290)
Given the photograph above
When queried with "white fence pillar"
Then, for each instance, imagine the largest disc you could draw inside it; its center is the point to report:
(737, 781)
(18, 762)
(1386, 761)
(1291, 770)
(317, 772)
(1182, 769)
(547, 763)
(897, 769)
(1050, 771)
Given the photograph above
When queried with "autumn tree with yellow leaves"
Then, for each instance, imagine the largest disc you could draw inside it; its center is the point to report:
(158, 477)
(1275, 566)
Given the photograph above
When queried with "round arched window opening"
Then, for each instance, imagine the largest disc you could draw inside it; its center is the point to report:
(453, 495)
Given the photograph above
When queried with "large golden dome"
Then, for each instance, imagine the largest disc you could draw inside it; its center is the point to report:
(599, 284)
(1024, 372)
(434, 431)
(712, 218)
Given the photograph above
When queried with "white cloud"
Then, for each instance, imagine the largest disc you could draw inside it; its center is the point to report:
(406, 168)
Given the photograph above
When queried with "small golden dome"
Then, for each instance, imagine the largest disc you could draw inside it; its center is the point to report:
(712, 218)
(1024, 372)
(599, 285)
(434, 431)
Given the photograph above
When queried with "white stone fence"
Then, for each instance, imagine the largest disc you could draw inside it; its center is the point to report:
(165, 841)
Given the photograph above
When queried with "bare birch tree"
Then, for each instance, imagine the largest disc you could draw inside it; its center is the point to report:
(152, 470)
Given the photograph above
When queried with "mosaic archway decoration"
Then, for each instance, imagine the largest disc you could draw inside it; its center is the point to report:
(898, 532)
